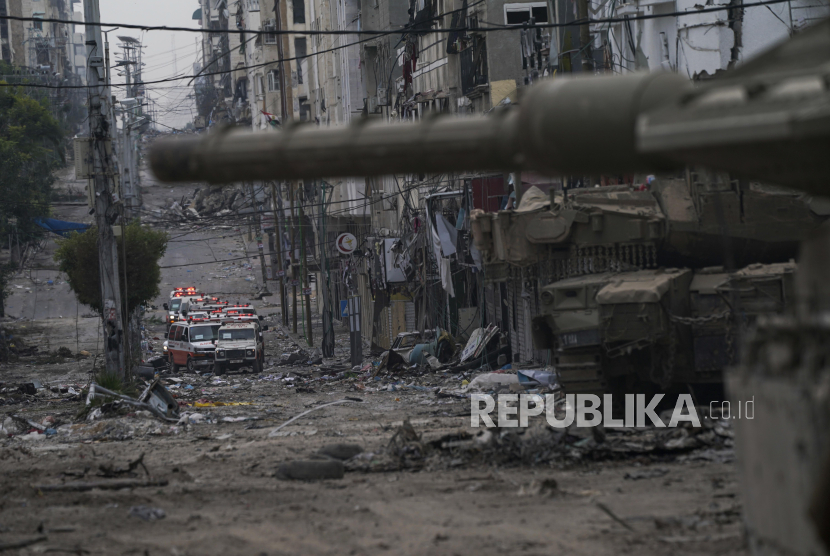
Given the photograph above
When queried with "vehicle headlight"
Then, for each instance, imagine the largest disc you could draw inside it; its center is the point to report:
(164, 348)
(220, 353)
(249, 352)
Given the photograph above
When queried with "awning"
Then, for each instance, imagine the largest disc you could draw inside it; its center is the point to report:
(61, 227)
(198, 14)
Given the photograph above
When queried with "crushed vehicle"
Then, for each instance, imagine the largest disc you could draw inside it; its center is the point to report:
(239, 344)
(191, 344)
(414, 348)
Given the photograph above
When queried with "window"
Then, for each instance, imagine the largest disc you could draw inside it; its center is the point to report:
(273, 80)
(175, 304)
(178, 335)
(516, 14)
(4, 28)
(237, 334)
(270, 37)
(260, 85)
(299, 11)
(204, 333)
(253, 5)
(37, 24)
(185, 335)
(301, 52)
(171, 335)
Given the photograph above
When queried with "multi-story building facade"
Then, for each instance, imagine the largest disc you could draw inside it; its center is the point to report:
(41, 46)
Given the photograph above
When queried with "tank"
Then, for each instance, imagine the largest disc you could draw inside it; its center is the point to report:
(640, 295)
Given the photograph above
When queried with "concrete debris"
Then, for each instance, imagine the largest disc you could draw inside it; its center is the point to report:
(205, 202)
(544, 487)
(147, 513)
(298, 356)
(492, 381)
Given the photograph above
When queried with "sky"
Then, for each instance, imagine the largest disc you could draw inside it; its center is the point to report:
(160, 59)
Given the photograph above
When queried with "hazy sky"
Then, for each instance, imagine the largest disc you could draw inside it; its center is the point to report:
(158, 54)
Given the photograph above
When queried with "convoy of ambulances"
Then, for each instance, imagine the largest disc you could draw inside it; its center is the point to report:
(207, 332)
(178, 297)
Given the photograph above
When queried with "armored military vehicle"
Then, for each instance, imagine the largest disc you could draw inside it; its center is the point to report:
(639, 291)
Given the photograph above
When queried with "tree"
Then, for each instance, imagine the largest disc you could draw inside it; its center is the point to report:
(31, 148)
(77, 257)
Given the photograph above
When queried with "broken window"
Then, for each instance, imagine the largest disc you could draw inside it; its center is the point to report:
(270, 36)
(299, 11)
(516, 14)
(301, 52)
(274, 80)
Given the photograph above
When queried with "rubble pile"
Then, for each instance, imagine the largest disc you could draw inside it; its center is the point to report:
(540, 444)
(204, 203)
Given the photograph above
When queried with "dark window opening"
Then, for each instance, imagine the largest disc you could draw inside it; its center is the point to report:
(540, 14)
(305, 109)
(301, 52)
(299, 11)
(517, 17)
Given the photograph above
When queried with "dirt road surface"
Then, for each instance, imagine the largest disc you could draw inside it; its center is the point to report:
(210, 483)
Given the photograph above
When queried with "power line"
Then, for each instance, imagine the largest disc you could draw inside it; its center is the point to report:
(207, 74)
(407, 29)
(376, 33)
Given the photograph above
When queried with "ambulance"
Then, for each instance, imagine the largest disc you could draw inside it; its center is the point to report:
(239, 344)
(191, 343)
(177, 297)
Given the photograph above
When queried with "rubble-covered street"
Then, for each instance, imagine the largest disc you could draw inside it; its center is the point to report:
(417, 478)
(410, 476)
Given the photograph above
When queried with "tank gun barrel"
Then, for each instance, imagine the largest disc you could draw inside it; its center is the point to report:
(555, 130)
(769, 120)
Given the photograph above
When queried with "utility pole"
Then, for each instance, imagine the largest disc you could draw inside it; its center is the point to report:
(105, 213)
(127, 181)
(327, 343)
(587, 53)
(281, 48)
(303, 263)
(279, 271)
(293, 259)
(259, 232)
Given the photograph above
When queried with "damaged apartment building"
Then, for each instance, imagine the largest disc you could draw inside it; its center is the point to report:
(49, 53)
(415, 266)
